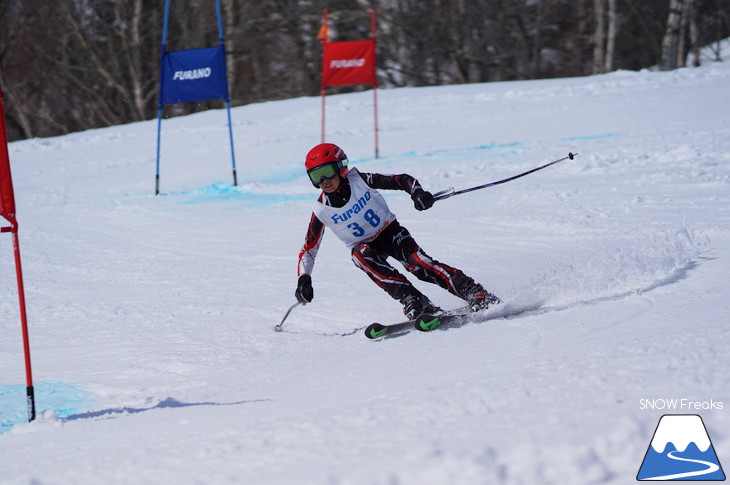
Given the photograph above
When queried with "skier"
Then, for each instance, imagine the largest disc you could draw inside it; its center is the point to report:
(351, 206)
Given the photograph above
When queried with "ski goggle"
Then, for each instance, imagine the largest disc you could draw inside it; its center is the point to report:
(327, 171)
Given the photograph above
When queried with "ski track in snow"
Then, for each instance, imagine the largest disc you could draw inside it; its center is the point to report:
(151, 318)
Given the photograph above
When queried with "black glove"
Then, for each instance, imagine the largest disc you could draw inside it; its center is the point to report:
(422, 200)
(305, 292)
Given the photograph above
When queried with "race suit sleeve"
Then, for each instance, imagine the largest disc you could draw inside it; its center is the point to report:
(402, 181)
(312, 240)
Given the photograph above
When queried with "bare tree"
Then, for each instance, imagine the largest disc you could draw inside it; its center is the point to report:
(599, 36)
(694, 34)
(611, 36)
(671, 41)
(71, 65)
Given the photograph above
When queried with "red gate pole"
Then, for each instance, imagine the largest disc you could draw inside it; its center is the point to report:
(323, 93)
(375, 103)
(30, 393)
(323, 33)
(7, 211)
(375, 86)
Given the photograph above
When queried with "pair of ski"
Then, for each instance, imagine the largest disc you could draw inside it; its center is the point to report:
(425, 323)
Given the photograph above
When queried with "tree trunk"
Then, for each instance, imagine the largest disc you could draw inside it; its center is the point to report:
(135, 64)
(682, 38)
(694, 35)
(611, 38)
(599, 37)
(19, 116)
(229, 39)
(670, 44)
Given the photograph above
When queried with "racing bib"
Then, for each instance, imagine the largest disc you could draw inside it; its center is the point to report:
(363, 217)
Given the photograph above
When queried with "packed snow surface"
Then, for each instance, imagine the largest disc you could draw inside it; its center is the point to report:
(151, 317)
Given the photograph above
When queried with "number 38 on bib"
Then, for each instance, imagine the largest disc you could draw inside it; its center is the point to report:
(362, 218)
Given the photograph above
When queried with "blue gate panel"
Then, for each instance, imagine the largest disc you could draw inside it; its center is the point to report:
(193, 75)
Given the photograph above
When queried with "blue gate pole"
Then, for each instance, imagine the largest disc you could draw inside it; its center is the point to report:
(230, 134)
(159, 132)
(159, 106)
(227, 99)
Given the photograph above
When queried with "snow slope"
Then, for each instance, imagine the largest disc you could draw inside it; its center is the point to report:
(152, 318)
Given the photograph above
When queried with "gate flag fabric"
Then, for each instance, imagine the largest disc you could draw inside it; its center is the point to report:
(193, 75)
(7, 198)
(7, 211)
(347, 63)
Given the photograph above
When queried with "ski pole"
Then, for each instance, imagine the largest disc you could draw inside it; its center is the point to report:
(278, 327)
(445, 194)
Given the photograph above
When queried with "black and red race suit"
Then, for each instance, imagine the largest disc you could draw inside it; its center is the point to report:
(394, 241)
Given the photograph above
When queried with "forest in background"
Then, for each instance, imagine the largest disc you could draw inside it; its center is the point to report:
(72, 65)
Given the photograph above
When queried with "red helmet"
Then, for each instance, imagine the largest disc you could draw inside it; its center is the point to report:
(325, 153)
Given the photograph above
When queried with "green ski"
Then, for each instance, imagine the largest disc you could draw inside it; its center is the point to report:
(424, 323)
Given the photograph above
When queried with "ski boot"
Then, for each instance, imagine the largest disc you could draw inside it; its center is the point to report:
(414, 305)
(481, 300)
